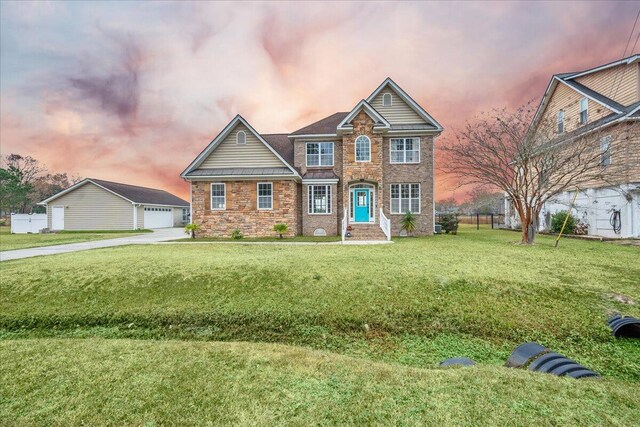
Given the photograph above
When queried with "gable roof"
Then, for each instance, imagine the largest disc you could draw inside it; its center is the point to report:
(628, 60)
(379, 121)
(407, 99)
(131, 193)
(565, 78)
(326, 126)
(223, 134)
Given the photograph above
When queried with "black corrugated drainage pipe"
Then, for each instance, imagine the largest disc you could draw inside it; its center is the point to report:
(457, 361)
(624, 327)
(541, 359)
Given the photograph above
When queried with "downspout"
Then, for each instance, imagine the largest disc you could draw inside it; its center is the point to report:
(190, 203)
(135, 216)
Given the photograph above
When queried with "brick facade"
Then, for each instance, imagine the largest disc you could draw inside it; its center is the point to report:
(420, 173)
(366, 172)
(241, 209)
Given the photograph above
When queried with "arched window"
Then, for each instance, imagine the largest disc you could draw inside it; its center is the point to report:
(241, 137)
(363, 149)
(386, 100)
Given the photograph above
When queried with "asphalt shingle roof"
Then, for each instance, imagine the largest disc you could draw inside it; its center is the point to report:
(281, 143)
(142, 195)
(327, 125)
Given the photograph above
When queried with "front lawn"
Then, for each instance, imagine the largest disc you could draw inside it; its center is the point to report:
(9, 242)
(153, 383)
(412, 303)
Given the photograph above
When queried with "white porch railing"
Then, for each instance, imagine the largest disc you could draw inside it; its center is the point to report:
(385, 225)
(344, 223)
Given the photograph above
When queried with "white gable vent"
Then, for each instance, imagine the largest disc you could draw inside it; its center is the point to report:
(386, 100)
(320, 232)
(241, 137)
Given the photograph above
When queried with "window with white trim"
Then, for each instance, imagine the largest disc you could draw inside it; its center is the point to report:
(605, 150)
(405, 150)
(387, 100)
(405, 198)
(319, 153)
(584, 110)
(363, 149)
(185, 215)
(560, 121)
(319, 199)
(218, 196)
(241, 138)
(265, 195)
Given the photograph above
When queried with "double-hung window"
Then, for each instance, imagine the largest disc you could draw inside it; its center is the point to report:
(405, 150)
(218, 197)
(363, 149)
(319, 199)
(319, 153)
(560, 121)
(265, 195)
(405, 198)
(605, 150)
(584, 110)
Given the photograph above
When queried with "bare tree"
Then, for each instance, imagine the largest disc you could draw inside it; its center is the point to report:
(529, 162)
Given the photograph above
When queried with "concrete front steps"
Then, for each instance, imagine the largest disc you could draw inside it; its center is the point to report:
(368, 232)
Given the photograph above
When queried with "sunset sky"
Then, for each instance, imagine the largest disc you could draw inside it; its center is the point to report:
(132, 91)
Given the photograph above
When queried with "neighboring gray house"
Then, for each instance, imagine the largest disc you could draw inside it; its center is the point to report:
(94, 204)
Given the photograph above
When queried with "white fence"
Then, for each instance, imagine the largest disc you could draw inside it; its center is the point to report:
(344, 224)
(385, 225)
(28, 223)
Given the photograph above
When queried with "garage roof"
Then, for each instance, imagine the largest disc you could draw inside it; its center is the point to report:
(133, 193)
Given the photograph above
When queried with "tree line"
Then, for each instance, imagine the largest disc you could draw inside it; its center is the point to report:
(25, 181)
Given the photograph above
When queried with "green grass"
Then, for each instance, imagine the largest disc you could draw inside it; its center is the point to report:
(9, 242)
(128, 382)
(397, 308)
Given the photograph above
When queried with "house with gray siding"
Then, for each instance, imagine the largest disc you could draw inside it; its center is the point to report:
(95, 204)
(353, 174)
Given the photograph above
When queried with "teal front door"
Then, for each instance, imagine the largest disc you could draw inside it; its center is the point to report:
(361, 202)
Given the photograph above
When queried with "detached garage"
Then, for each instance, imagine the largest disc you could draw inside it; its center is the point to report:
(94, 204)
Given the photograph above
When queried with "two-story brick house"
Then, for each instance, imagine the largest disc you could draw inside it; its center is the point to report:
(601, 104)
(354, 173)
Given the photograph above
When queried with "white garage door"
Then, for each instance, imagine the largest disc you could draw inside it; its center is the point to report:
(158, 217)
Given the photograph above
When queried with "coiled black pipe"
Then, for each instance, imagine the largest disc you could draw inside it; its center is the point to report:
(615, 221)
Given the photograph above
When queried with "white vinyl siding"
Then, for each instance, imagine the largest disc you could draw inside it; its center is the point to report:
(319, 153)
(252, 154)
(404, 150)
(265, 195)
(405, 198)
(319, 199)
(218, 196)
(399, 112)
(363, 149)
(90, 207)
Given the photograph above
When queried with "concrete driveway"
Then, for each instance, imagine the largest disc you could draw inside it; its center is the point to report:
(158, 235)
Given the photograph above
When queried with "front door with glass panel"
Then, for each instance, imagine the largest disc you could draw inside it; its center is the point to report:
(361, 205)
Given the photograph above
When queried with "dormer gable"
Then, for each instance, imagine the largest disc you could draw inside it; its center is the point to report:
(396, 106)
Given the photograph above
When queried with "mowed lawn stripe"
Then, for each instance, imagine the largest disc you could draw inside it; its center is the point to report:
(129, 382)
